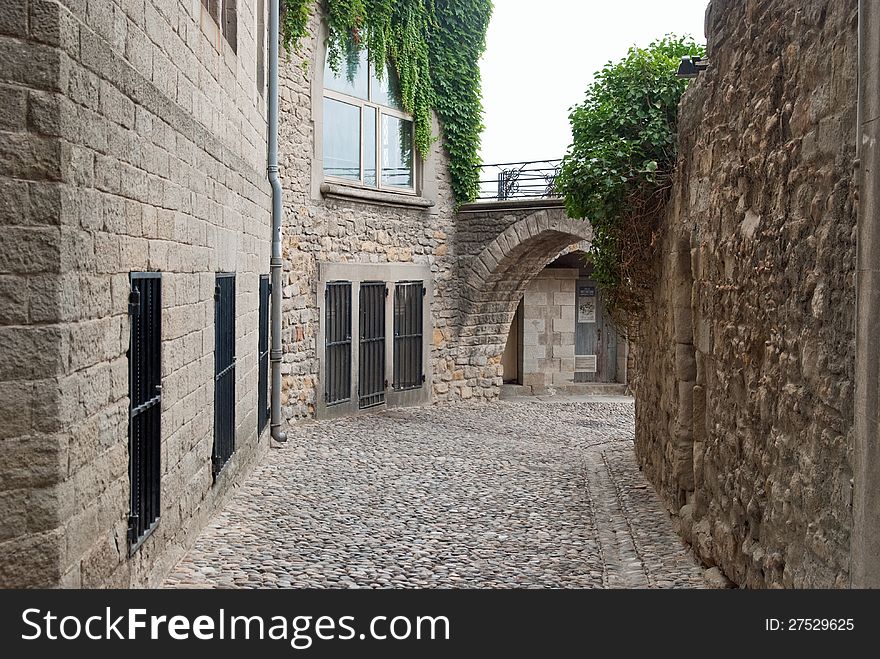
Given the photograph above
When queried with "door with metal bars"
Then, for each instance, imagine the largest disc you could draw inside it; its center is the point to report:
(337, 343)
(263, 350)
(145, 395)
(371, 356)
(224, 371)
(408, 335)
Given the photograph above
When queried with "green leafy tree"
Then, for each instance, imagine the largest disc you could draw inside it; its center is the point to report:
(617, 171)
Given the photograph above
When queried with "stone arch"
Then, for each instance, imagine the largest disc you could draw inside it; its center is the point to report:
(494, 281)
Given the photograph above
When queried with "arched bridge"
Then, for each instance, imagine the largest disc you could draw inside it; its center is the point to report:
(501, 248)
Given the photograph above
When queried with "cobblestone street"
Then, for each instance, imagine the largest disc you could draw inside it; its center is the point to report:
(523, 494)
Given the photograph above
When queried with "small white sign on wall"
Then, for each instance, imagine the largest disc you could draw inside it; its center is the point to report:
(586, 310)
(587, 364)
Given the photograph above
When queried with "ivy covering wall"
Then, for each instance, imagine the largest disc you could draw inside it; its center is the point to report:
(434, 46)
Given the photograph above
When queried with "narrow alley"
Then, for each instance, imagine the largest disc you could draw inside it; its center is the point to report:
(521, 494)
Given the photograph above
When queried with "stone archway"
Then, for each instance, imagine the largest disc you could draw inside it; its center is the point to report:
(494, 281)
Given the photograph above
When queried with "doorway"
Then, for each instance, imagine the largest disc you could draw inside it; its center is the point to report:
(595, 336)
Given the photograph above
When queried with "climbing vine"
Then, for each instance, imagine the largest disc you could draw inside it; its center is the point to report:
(434, 46)
(618, 170)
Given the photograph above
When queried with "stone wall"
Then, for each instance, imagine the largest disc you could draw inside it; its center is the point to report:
(502, 247)
(133, 139)
(338, 228)
(549, 329)
(745, 358)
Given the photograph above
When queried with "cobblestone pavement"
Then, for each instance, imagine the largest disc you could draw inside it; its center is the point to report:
(523, 494)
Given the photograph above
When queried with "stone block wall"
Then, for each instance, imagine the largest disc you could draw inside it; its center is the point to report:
(744, 389)
(549, 329)
(133, 139)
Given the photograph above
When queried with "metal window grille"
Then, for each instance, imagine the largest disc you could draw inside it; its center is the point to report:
(408, 328)
(145, 394)
(371, 362)
(337, 342)
(224, 371)
(263, 348)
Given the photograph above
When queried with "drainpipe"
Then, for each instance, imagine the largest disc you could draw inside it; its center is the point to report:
(275, 353)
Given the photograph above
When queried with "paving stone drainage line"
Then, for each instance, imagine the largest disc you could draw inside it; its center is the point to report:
(622, 566)
(626, 516)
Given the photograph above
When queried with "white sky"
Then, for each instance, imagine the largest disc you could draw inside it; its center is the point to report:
(541, 56)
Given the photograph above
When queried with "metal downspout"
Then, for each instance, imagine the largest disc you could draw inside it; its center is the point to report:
(275, 353)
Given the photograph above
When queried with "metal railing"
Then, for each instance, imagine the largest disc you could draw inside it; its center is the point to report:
(533, 179)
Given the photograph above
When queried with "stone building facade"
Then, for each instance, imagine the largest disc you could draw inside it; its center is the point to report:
(745, 385)
(133, 140)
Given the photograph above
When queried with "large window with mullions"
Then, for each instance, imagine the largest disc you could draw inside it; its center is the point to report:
(368, 139)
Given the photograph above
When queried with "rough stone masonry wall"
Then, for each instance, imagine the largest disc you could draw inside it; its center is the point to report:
(745, 359)
(131, 141)
(338, 230)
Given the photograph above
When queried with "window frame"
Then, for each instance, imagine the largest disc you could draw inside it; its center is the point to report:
(381, 110)
(220, 22)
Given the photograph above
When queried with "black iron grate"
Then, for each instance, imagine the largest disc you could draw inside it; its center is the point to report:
(224, 371)
(337, 343)
(145, 394)
(371, 362)
(408, 328)
(263, 350)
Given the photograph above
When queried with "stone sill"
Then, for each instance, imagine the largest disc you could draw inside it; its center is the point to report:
(349, 193)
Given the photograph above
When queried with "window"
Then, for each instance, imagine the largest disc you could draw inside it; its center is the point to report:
(145, 396)
(337, 342)
(368, 139)
(224, 371)
(408, 322)
(263, 354)
(225, 16)
(371, 358)
(261, 46)
(372, 351)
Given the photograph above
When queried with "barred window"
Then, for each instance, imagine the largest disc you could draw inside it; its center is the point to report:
(263, 353)
(224, 370)
(408, 329)
(145, 404)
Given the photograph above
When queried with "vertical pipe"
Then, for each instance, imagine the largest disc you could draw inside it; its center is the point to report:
(275, 264)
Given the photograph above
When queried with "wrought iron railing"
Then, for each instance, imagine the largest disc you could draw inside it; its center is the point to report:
(534, 179)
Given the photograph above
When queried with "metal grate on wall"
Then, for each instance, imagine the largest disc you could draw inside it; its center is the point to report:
(263, 352)
(224, 371)
(371, 357)
(408, 329)
(337, 342)
(145, 395)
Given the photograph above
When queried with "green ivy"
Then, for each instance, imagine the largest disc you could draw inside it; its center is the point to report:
(618, 169)
(434, 46)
